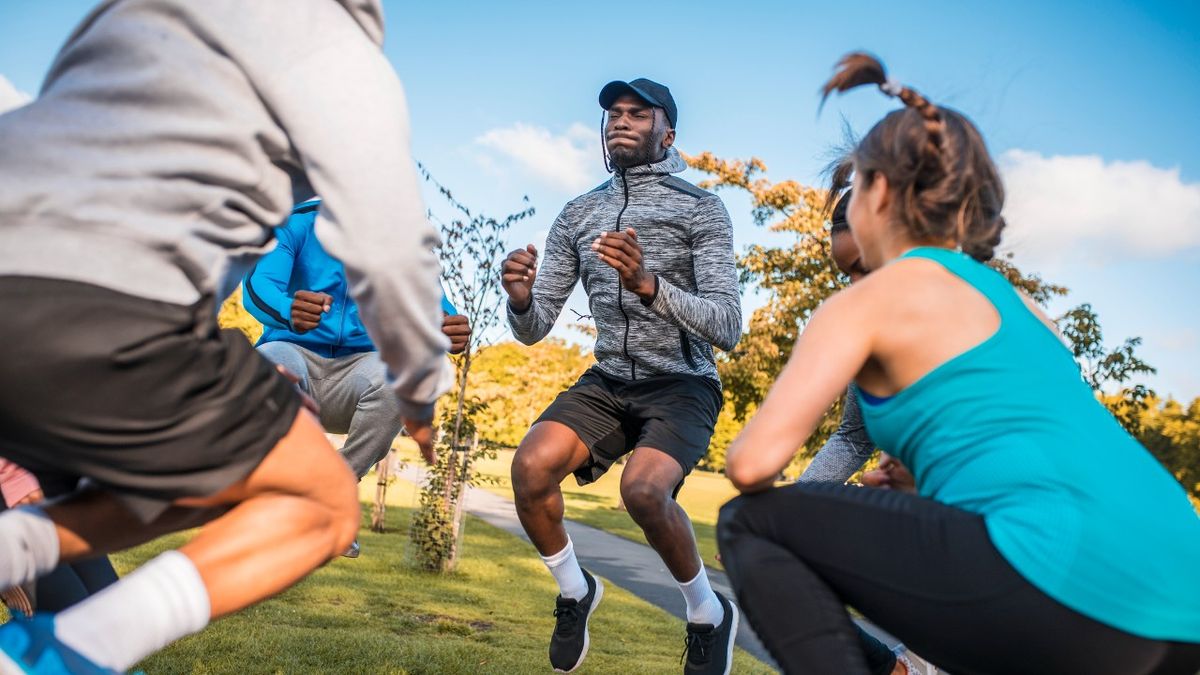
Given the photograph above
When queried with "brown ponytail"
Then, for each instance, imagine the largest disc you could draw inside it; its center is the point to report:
(935, 161)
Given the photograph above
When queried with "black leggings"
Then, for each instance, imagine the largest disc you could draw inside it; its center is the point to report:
(923, 571)
(73, 582)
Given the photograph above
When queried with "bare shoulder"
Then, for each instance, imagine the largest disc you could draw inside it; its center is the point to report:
(897, 283)
(912, 294)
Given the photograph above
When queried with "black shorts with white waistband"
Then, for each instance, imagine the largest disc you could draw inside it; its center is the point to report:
(147, 400)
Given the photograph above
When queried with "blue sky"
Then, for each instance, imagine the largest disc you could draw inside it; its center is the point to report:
(1089, 108)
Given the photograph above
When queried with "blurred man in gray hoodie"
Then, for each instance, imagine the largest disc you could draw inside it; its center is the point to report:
(168, 141)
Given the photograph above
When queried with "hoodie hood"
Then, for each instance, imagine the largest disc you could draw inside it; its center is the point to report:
(672, 163)
(368, 14)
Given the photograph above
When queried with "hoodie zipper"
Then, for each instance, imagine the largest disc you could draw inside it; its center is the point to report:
(620, 288)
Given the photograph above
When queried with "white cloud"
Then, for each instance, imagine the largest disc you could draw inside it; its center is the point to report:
(10, 96)
(1082, 206)
(570, 161)
(1181, 340)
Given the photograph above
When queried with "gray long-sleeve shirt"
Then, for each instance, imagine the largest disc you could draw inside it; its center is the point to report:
(846, 450)
(687, 242)
(171, 137)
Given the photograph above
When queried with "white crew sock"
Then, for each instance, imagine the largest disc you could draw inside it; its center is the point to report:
(28, 546)
(702, 603)
(158, 603)
(567, 573)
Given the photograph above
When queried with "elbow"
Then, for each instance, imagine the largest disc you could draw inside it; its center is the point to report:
(730, 338)
(733, 328)
(523, 334)
(737, 476)
(746, 478)
(728, 342)
(750, 471)
(747, 481)
(526, 339)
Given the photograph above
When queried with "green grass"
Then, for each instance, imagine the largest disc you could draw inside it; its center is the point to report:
(376, 614)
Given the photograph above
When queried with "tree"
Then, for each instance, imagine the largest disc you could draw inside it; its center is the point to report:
(1103, 369)
(473, 247)
(1171, 432)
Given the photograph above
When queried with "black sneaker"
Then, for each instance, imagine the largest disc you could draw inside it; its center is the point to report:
(709, 648)
(569, 644)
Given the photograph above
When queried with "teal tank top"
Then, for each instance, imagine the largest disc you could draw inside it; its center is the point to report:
(1009, 430)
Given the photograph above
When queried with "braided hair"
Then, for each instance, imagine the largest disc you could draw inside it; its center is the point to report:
(945, 185)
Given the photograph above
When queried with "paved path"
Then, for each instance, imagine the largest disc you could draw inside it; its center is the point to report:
(629, 564)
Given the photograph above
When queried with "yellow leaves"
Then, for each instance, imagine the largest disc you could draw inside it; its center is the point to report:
(801, 206)
(726, 173)
(234, 315)
(780, 196)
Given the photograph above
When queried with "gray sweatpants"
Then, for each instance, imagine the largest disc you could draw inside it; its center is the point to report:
(354, 398)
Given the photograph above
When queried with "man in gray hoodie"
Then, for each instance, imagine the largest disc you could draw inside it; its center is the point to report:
(169, 140)
(655, 254)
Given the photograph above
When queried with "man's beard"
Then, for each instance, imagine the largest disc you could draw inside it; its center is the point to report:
(644, 153)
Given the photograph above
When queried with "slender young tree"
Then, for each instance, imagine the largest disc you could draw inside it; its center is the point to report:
(473, 248)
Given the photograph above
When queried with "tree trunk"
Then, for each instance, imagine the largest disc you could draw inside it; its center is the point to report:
(379, 511)
(458, 418)
(460, 503)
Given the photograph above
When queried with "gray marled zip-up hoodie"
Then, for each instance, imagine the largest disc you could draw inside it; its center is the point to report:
(687, 241)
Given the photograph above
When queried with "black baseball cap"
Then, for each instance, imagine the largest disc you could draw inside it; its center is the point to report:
(649, 91)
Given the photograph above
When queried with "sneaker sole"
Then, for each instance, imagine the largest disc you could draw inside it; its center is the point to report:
(586, 623)
(733, 629)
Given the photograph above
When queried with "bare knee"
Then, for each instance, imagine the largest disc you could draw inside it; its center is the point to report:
(645, 502)
(531, 478)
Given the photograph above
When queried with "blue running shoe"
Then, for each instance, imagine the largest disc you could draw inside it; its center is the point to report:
(29, 647)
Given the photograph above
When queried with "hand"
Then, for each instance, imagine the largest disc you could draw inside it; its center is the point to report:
(307, 308)
(458, 329)
(421, 431)
(17, 600)
(890, 475)
(517, 275)
(307, 401)
(622, 252)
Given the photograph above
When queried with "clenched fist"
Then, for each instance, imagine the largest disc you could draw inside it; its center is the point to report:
(307, 308)
(622, 252)
(517, 275)
(458, 328)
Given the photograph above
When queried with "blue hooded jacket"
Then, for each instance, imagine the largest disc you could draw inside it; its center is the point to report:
(299, 263)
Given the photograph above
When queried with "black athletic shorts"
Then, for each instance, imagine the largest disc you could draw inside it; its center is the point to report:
(146, 399)
(675, 414)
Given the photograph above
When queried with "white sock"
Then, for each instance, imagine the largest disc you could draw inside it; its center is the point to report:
(567, 572)
(28, 546)
(702, 603)
(158, 603)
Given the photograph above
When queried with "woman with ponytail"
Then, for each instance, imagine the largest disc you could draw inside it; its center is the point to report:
(1040, 537)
